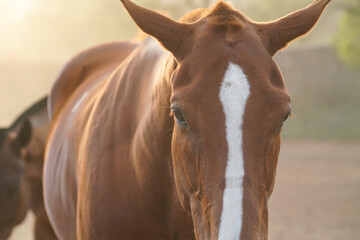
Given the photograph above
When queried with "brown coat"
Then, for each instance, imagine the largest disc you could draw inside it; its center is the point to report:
(119, 166)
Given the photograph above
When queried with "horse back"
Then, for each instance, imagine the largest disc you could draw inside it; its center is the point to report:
(72, 99)
(90, 63)
(82, 141)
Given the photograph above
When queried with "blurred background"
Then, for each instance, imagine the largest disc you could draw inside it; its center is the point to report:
(317, 190)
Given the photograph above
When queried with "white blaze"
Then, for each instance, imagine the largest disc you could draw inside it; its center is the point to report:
(234, 92)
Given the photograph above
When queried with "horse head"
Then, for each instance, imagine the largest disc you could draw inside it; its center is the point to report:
(13, 192)
(229, 104)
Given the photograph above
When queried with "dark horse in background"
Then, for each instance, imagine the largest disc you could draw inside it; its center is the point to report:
(179, 141)
(21, 163)
(22, 145)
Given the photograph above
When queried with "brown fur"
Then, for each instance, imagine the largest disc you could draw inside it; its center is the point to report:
(28, 154)
(194, 15)
(33, 155)
(119, 167)
(14, 195)
(223, 14)
(83, 65)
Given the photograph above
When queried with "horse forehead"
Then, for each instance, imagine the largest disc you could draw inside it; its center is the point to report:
(209, 70)
(214, 55)
(206, 66)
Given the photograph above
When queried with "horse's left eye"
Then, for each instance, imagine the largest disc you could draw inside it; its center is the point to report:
(179, 117)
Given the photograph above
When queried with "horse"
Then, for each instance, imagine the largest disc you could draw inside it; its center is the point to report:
(13, 194)
(22, 145)
(181, 140)
(33, 157)
(21, 157)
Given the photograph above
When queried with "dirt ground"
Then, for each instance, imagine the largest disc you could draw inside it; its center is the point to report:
(316, 196)
(317, 192)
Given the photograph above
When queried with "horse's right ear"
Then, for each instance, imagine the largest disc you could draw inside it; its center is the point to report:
(171, 34)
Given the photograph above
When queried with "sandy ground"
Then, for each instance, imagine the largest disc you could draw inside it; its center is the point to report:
(316, 196)
(317, 192)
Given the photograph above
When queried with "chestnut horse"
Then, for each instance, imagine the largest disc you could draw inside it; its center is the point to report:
(180, 141)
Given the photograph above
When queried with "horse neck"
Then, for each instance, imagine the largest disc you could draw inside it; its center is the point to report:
(151, 148)
(151, 151)
(152, 159)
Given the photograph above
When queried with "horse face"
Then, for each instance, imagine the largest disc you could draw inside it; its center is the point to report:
(13, 192)
(229, 104)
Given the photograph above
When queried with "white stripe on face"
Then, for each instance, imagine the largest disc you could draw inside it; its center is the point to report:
(234, 92)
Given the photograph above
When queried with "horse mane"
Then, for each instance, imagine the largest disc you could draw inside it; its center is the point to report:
(221, 13)
(30, 111)
(194, 15)
(224, 14)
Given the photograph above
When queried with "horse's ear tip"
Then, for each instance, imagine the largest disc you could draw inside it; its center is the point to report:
(322, 1)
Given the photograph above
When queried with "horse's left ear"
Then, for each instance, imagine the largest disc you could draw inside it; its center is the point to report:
(172, 35)
(275, 35)
(23, 135)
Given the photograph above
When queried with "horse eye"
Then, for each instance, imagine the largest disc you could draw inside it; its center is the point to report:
(179, 117)
(282, 123)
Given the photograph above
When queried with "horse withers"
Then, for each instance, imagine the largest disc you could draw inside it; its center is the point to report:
(181, 140)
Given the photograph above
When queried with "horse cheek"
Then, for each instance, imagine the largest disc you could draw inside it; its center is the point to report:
(180, 157)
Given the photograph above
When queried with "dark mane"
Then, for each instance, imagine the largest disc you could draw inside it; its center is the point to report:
(29, 111)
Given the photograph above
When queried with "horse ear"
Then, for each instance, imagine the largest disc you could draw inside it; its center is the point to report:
(23, 135)
(275, 35)
(171, 34)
